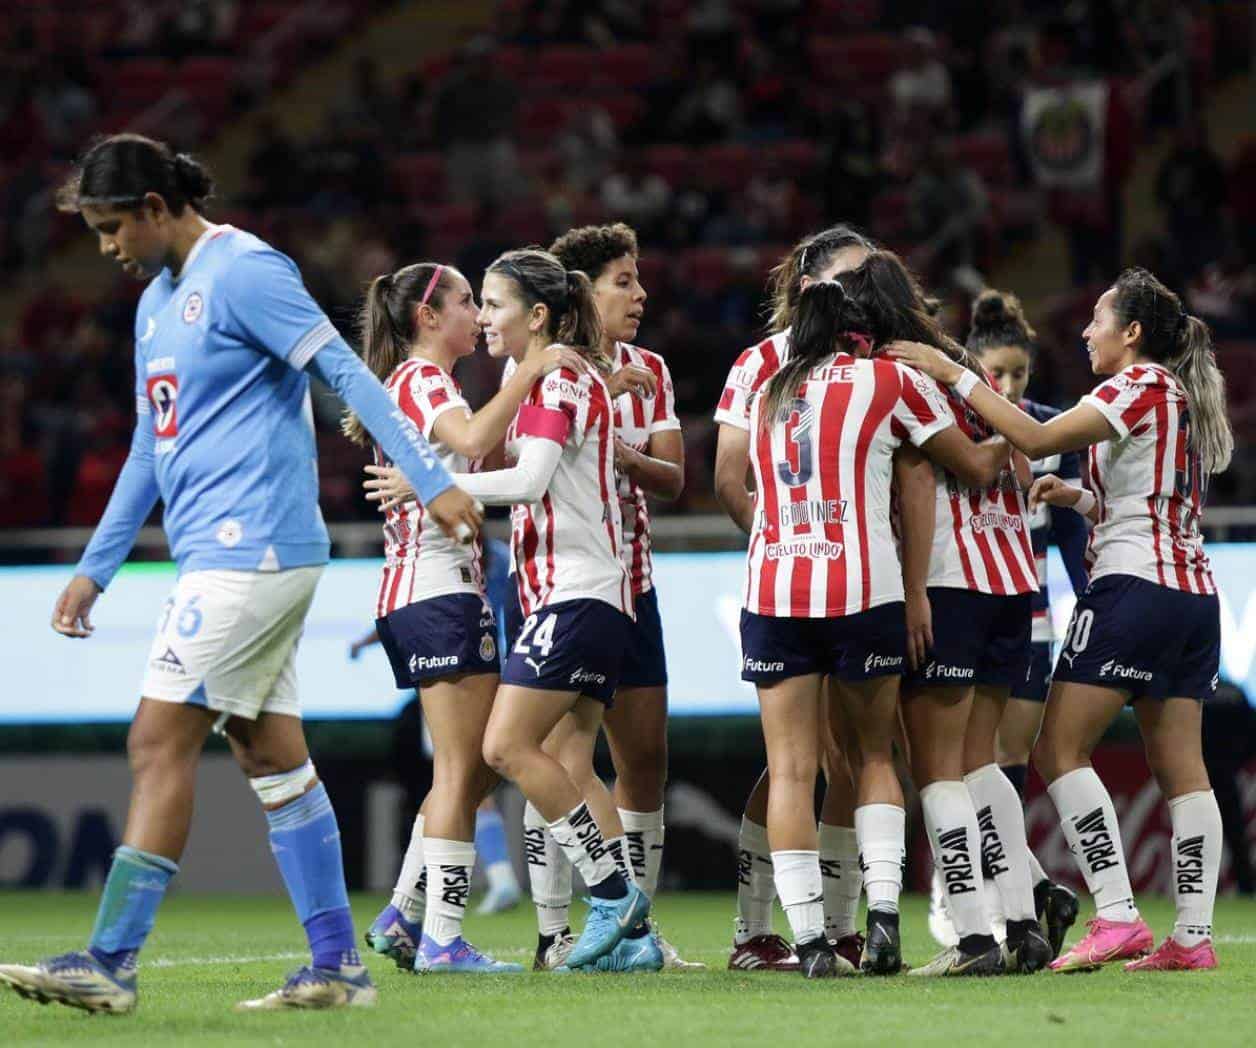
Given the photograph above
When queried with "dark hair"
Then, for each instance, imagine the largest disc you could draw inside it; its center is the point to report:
(591, 249)
(387, 324)
(999, 320)
(119, 170)
(826, 320)
(1183, 343)
(897, 308)
(810, 257)
(566, 294)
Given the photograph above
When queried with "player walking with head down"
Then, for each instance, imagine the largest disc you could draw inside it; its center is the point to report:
(225, 336)
(1147, 630)
(824, 592)
(432, 615)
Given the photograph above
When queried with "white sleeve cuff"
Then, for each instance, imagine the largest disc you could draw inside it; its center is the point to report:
(311, 342)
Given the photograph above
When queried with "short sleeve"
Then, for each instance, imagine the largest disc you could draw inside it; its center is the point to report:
(921, 410)
(264, 303)
(664, 417)
(1124, 401)
(426, 395)
(739, 388)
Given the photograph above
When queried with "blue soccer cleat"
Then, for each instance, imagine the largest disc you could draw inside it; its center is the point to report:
(75, 979)
(642, 954)
(393, 935)
(459, 956)
(609, 921)
(348, 986)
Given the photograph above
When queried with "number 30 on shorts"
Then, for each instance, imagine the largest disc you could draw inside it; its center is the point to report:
(536, 636)
(1078, 636)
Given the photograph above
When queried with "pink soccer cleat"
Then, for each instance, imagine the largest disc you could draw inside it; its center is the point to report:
(1106, 941)
(1171, 956)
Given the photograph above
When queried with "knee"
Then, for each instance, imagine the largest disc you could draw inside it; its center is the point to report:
(1054, 758)
(645, 767)
(793, 768)
(149, 751)
(501, 754)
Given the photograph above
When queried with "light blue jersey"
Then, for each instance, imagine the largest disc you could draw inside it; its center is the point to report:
(225, 431)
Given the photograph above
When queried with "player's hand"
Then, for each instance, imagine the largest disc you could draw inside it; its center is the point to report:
(625, 457)
(634, 379)
(458, 514)
(933, 362)
(553, 357)
(1054, 492)
(919, 629)
(70, 616)
(388, 486)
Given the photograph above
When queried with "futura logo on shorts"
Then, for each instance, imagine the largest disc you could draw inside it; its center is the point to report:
(882, 662)
(760, 666)
(1112, 668)
(431, 662)
(938, 671)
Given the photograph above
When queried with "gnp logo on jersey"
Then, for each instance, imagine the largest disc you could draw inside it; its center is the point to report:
(193, 307)
(163, 393)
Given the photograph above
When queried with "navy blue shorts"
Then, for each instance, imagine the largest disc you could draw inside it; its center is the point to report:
(512, 616)
(1150, 640)
(645, 664)
(439, 637)
(858, 647)
(978, 638)
(576, 645)
(1038, 680)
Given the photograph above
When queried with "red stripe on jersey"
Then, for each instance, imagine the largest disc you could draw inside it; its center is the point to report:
(548, 505)
(661, 398)
(536, 421)
(957, 525)
(1162, 442)
(800, 573)
(405, 400)
(983, 546)
(767, 506)
(832, 414)
(1023, 551)
(887, 388)
(726, 400)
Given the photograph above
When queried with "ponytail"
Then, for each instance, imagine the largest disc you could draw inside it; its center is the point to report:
(580, 324)
(810, 257)
(386, 325)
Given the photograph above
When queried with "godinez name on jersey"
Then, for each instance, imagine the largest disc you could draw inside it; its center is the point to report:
(821, 544)
(420, 561)
(1149, 483)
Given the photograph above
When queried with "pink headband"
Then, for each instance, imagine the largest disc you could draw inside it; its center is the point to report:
(431, 284)
(860, 339)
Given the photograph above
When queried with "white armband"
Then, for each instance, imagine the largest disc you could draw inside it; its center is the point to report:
(1085, 502)
(965, 384)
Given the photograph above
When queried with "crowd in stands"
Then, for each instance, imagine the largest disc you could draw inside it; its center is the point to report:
(721, 129)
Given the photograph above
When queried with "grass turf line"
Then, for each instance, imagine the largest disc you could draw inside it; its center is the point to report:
(209, 952)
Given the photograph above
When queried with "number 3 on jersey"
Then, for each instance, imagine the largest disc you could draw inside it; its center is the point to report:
(536, 637)
(795, 468)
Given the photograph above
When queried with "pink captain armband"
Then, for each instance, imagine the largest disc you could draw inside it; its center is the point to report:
(549, 423)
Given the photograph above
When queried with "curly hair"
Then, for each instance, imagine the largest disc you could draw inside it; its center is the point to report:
(591, 249)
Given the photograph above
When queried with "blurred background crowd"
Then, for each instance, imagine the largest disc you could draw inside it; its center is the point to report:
(1038, 146)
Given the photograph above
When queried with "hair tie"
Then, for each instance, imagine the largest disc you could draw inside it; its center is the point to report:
(431, 284)
(1181, 321)
(572, 284)
(859, 338)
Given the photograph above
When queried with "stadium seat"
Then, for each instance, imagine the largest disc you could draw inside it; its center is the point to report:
(673, 164)
(420, 176)
(565, 68)
(987, 153)
(628, 65)
(705, 268)
(729, 165)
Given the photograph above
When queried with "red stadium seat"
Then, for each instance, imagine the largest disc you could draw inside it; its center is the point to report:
(628, 65)
(729, 165)
(673, 164)
(624, 110)
(540, 118)
(420, 176)
(987, 153)
(565, 67)
(705, 268)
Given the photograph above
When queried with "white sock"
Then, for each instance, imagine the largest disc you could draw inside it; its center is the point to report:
(951, 824)
(618, 848)
(1036, 872)
(756, 885)
(549, 874)
(1094, 837)
(410, 893)
(581, 840)
(501, 876)
(882, 833)
(644, 830)
(1196, 864)
(839, 868)
(449, 866)
(797, 875)
(1004, 849)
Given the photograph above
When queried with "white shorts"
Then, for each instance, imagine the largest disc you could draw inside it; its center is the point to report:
(227, 640)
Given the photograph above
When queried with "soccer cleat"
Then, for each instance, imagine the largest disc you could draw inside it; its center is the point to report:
(1171, 956)
(940, 925)
(850, 946)
(552, 951)
(609, 921)
(348, 986)
(641, 954)
(818, 960)
(769, 953)
(1031, 955)
(1056, 907)
(1106, 941)
(498, 900)
(672, 959)
(882, 952)
(953, 961)
(459, 956)
(394, 935)
(75, 979)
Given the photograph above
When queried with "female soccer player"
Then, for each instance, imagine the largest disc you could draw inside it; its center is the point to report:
(979, 581)
(432, 614)
(1004, 343)
(225, 333)
(573, 587)
(756, 947)
(1147, 629)
(824, 590)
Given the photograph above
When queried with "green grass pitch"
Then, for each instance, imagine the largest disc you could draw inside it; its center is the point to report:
(208, 952)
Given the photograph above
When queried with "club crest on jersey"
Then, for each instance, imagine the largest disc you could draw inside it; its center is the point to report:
(163, 394)
(193, 308)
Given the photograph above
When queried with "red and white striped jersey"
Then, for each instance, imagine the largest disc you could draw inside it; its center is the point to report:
(420, 561)
(567, 546)
(636, 420)
(821, 545)
(981, 536)
(1149, 482)
(749, 372)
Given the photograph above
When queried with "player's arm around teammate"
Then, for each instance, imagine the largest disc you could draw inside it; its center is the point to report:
(1147, 629)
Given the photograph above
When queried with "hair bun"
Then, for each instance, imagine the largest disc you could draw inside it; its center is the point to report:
(990, 309)
(192, 178)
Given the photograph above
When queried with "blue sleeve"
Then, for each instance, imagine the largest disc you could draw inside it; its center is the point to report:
(266, 305)
(341, 369)
(1068, 529)
(133, 498)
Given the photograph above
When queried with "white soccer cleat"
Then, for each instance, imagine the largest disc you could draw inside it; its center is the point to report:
(349, 986)
(74, 979)
(553, 955)
(672, 960)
